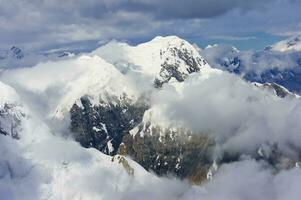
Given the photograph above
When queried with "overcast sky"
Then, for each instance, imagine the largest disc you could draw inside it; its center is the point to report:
(247, 24)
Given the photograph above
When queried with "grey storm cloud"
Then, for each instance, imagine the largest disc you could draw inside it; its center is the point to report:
(43, 22)
(178, 9)
(167, 9)
(170, 9)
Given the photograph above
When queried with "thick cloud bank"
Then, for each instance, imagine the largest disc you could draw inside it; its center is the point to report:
(248, 180)
(240, 115)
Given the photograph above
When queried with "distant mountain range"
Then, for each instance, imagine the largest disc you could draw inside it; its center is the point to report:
(15, 57)
(279, 63)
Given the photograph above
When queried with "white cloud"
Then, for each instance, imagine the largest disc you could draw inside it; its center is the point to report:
(239, 115)
(248, 180)
(232, 37)
(219, 56)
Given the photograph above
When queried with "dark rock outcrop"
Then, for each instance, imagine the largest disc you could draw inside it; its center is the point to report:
(278, 90)
(175, 152)
(16, 52)
(172, 69)
(102, 126)
(10, 120)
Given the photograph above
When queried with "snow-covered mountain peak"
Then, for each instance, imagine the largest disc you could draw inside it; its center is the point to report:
(13, 53)
(290, 44)
(160, 59)
(173, 40)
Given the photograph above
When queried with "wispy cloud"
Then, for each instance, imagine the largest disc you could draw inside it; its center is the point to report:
(231, 38)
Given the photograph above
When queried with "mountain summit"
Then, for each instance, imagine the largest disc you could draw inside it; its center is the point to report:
(161, 59)
(290, 44)
(13, 53)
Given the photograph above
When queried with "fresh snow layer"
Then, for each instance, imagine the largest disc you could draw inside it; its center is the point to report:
(290, 44)
(7, 95)
(148, 57)
(61, 83)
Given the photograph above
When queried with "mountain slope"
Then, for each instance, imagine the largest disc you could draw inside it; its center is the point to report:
(15, 57)
(69, 80)
(290, 44)
(82, 84)
(11, 113)
(263, 66)
(160, 59)
(39, 164)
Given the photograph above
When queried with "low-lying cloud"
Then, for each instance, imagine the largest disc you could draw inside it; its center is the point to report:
(239, 115)
(223, 57)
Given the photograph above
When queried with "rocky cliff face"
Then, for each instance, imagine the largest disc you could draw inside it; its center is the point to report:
(102, 126)
(10, 120)
(13, 53)
(165, 151)
(172, 151)
(278, 90)
(178, 62)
